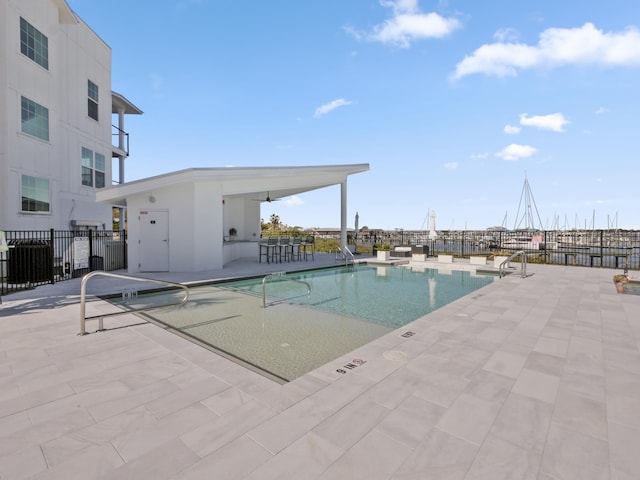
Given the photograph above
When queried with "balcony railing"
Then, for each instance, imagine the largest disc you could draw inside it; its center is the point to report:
(116, 132)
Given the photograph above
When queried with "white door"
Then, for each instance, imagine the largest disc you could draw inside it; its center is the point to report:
(154, 240)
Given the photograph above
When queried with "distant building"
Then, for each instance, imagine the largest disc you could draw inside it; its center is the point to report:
(56, 110)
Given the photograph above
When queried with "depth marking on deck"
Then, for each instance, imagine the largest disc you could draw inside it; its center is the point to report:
(355, 363)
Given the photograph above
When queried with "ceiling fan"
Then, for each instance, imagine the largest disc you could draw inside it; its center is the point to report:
(268, 199)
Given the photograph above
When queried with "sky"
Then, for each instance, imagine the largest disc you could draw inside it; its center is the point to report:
(453, 103)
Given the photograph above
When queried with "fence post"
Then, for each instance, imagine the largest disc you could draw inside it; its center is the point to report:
(601, 248)
(123, 239)
(91, 262)
(52, 280)
(462, 246)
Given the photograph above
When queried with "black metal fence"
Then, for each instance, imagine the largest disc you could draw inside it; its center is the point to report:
(590, 248)
(39, 257)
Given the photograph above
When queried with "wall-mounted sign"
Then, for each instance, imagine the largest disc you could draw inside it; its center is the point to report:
(80, 253)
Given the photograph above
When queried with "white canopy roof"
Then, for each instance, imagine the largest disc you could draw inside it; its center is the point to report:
(255, 182)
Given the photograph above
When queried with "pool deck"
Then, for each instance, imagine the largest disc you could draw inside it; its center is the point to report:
(526, 378)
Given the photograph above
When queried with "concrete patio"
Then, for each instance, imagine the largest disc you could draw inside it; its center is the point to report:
(535, 378)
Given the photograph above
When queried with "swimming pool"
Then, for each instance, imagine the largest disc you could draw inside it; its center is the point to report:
(296, 332)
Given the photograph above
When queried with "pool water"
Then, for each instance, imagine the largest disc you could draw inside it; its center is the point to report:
(296, 332)
(388, 296)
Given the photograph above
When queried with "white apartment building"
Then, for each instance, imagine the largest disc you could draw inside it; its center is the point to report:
(56, 114)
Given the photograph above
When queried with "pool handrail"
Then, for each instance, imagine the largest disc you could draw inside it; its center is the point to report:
(83, 295)
(345, 251)
(282, 276)
(523, 263)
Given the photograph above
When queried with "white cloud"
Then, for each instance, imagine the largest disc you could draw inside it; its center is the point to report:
(408, 24)
(584, 45)
(515, 152)
(506, 35)
(511, 129)
(479, 156)
(451, 165)
(553, 121)
(602, 110)
(292, 201)
(328, 107)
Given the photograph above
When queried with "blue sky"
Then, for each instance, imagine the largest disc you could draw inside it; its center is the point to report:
(452, 103)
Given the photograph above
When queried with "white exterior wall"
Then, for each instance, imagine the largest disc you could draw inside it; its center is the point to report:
(195, 226)
(76, 54)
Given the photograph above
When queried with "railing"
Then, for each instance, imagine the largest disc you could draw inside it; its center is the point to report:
(346, 251)
(83, 294)
(38, 257)
(281, 276)
(117, 133)
(523, 263)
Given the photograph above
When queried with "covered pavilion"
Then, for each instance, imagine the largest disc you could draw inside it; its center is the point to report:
(180, 221)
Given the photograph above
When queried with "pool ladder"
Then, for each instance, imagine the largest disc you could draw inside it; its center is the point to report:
(281, 276)
(346, 256)
(128, 293)
(523, 264)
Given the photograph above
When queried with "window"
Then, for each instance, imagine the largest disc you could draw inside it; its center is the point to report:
(34, 44)
(35, 194)
(35, 119)
(93, 169)
(92, 101)
(99, 171)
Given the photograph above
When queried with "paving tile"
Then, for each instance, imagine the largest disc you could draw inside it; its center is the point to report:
(211, 433)
(501, 460)
(469, 418)
(306, 458)
(570, 454)
(44, 432)
(552, 346)
(490, 386)
(504, 363)
(227, 400)
(544, 363)
(236, 459)
(161, 463)
(131, 398)
(439, 457)
(411, 421)
(186, 396)
(93, 462)
(278, 432)
(537, 385)
(393, 390)
(134, 443)
(623, 409)
(524, 422)
(375, 457)
(585, 355)
(623, 451)
(588, 385)
(34, 399)
(347, 426)
(24, 463)
(575, 412)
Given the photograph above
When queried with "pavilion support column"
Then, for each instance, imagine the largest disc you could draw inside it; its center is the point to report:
(343, 215)
(121, 161)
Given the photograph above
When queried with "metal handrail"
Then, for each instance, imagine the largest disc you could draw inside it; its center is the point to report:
(523, 263)
(83, 294)
(353, 258)
(280, 275)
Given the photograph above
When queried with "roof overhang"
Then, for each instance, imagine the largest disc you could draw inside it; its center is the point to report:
(65, 14)
(252, 182)
(120, 102)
